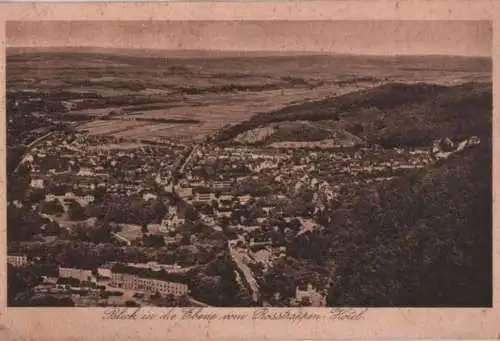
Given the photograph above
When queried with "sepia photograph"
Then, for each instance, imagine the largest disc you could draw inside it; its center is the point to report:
(278, 164)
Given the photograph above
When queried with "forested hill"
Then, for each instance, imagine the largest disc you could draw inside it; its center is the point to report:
(421, 241)
(392, 115)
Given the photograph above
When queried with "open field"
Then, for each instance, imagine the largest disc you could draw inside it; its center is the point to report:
(112, 127)
(214, 91)
(130, 232)
(134, 232)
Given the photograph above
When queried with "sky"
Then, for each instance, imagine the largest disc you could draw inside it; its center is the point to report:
(465, 38)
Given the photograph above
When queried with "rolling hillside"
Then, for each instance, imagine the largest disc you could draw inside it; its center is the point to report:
(391, 115)
(299, 132)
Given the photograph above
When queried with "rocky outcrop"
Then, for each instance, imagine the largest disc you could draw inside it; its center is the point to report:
(443, 148)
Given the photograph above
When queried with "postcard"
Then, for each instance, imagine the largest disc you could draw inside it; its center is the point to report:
(248, 171)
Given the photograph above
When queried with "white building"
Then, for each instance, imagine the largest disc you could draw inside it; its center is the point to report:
(147, 196)
(104, 272)
(28, 158)
(17, 261)
(85, 171)
(172, 220)
(79, 274)
(267, 242)
(310, 296)
(37, 183)
(132, 282)
(244, 199)
(204, 197)
(185, 192)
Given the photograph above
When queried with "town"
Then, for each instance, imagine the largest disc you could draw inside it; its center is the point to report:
(158, 220)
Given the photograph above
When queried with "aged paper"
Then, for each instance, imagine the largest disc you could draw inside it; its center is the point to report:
(240, 170)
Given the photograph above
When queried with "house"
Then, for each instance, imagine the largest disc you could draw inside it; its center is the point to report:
(244, 199)
(85, 171)
(172, 220)
(17, 261)
(147, 196)
(204, 197)
(50, 197)
(208, 220)
(82, 275)
(309, 296)
(220, 184)
(28, 158)
(267, 242)
(104, 272)
(88, 198)
(226, 201)
(174, 240)
(18, 203)
(224, 213)
(37, 183)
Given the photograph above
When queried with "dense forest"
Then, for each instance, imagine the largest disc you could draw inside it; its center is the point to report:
(421, 243)
(424, 241)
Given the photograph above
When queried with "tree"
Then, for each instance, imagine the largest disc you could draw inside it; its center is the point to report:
(52, 228)
(52, 207)
(76, 211)
(52, 301)
(144, 228)
(23, 224)
(356, 129)
(155, 241)
(36, 195)
(99, 192)
(413, 241)
(93, 210)
(159, 209)
(21, 282)
(225, 223)
(130, 303)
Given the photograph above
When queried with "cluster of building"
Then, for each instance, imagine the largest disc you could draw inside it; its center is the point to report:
(17, 261)
(80, 155)
(252, 192)
(226, 170)
(71, 167)
(109, 278)
(224, 181)
(309, 296)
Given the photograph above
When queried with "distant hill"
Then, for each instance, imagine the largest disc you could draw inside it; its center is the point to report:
(391, 115)
(157, 52)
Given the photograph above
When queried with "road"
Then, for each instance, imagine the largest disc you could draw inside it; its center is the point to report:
(188, 159)
(248, 277)
(122, 238)
(197, 303)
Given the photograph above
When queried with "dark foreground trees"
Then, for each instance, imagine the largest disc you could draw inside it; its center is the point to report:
(420, 243)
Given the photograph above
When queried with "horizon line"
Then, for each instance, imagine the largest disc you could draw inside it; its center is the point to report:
(275, 52)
